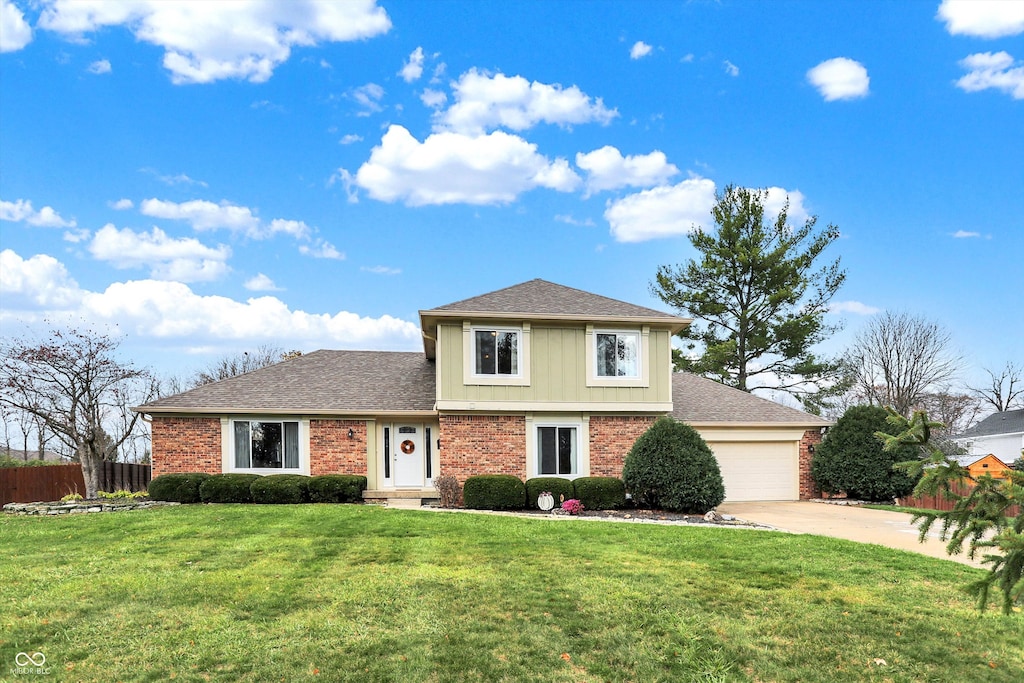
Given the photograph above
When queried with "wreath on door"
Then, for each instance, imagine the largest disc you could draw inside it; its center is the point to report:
(408, 446)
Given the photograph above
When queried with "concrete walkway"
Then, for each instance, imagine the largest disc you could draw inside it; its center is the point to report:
(889, 529)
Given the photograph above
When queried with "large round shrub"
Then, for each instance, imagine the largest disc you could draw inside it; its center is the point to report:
(671, 467)
(337, 488)
(177, 488)
(494, 492)
(227, 488)
(851, 460)
(280, 489)
(600, 493)
(559, 488)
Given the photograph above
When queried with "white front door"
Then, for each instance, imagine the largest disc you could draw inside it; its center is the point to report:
(409, 455)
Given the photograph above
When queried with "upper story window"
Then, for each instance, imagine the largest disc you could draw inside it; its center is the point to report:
(266, 445)
(496, 352)
(617, 354)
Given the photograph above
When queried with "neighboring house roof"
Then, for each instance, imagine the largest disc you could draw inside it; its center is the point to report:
(48, 456)
(701, 401)
(322, 382)
(542, 300)
(1006, 422)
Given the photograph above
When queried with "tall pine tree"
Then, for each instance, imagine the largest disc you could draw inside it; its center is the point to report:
(757, 300)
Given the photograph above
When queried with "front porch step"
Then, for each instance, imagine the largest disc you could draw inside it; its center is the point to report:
(405, 503)
(419, 494)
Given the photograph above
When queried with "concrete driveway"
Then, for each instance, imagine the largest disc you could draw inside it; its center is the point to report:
(889, 529)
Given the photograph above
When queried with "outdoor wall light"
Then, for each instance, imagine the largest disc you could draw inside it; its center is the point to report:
(810, 448)
(351, 433)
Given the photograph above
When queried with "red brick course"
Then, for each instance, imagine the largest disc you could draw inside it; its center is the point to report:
(611, 437)
(186, 444)
(331, 451)
(808, 487)
(483, 444)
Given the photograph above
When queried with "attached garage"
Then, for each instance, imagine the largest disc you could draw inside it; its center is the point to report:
(763, 448)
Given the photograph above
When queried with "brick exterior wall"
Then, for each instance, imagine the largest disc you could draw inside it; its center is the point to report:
(808, 487)
(186, 444)
(332, 452)
(611, 437)
(483, 444)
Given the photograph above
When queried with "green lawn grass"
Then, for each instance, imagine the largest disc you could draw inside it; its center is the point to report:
(340, 592)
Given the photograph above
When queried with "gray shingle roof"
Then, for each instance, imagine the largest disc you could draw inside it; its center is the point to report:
(540, 297)
(1006, 422)
(698, 400)
(318, 382)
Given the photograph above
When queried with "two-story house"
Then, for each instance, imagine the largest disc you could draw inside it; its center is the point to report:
(537, 379)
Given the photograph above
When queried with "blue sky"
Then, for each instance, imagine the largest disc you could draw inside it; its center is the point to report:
(202, 178)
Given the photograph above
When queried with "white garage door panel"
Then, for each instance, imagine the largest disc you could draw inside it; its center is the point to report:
(758, 470)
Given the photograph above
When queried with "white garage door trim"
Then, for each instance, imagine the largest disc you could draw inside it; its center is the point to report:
(759, 470)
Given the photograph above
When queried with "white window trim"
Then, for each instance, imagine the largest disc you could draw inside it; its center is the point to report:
(643, 349)
(227, 440)
(582, 425)
(469, 376)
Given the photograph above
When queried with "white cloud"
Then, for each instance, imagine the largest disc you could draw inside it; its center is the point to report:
(569, 220)
(855, 307)
(731, 68)
(40, 282)
(261, 283)
(183, 259)
(965, 234)
(172, 180)
(413, 68)
(434, 99)
(122, 204)
(343, 176)
(607, 169)
(217, 40)
(452, 168)
(995, 71)
(664, 211)
(350, 138)
(982, 18)
(204, 215)
(75, 236)
(22, 211)
(840, 79)
(100, 66)
(381, 270)
(368, 97)
(687, 58)
(15, 33)
(484, 102)
(777, 198)
(322, 249)
(640, 49)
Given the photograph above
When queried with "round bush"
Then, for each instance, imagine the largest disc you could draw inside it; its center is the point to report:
(280, 489)
(671, 467)
(851, 460)
(559, 488)
(336, 488)
(494, 492)
(177, 488)
(227, 488)
(600, 493)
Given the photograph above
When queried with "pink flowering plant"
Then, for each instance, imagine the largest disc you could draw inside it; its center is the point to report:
(572, 506)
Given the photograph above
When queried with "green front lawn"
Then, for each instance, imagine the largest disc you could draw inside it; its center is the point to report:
(340, 592)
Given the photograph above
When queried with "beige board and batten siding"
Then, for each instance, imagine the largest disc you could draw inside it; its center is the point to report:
(557, 373)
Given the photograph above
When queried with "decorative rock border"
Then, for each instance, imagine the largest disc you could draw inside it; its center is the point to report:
(80, 507)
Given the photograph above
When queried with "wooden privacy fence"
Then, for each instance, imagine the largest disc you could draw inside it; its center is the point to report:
(35, 484)
(942, 503)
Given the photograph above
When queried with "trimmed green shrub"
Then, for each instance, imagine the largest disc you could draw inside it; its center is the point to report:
(336, 488)
(280, 489)
(494, 492)
(177, 488)
(600, 493)
(227, 488)
(671, 467)
(559, 488)
(851, 460)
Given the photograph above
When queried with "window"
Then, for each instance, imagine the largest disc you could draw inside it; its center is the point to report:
(266, 445)
(496, 352)
(617, 354)
(556, 451)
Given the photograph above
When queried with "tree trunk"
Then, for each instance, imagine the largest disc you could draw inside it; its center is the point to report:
(91, 474)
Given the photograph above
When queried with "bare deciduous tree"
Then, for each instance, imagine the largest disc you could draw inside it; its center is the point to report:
(1005, 389)
(955, 411)
(73, 382)
(241, 363)
(900, 358)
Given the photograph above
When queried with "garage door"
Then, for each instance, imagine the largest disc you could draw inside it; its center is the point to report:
(754, 470)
